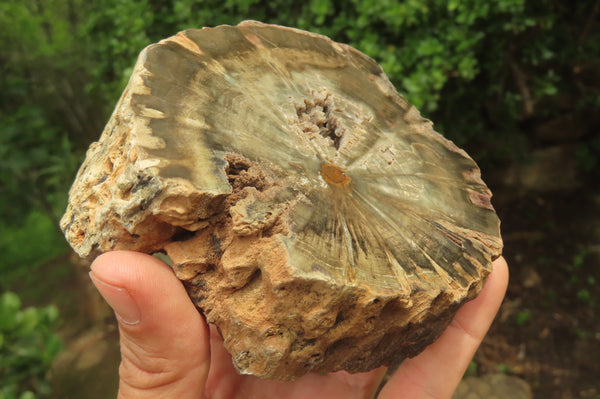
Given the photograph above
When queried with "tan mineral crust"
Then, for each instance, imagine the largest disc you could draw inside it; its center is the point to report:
(312, 214)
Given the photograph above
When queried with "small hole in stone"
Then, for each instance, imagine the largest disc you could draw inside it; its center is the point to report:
(182, 235)
(339, 319)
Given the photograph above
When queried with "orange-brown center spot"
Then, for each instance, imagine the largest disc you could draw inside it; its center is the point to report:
(334, 175)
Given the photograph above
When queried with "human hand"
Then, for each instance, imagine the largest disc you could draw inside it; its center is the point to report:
(168, 351)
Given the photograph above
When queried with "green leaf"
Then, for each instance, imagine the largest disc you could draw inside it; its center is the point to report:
(523, 317)
(30, 319)
(321, 9)
(9, 311)
(52, 348)
(429, 46)
(453, 5)
(584, 295)
(51, 313)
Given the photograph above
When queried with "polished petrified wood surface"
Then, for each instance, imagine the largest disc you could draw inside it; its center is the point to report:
(313, 215)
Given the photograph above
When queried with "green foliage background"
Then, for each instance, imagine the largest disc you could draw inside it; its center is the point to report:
(28, 345)
(484, 71)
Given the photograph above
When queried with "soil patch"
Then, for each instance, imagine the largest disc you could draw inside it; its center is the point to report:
(547, 331)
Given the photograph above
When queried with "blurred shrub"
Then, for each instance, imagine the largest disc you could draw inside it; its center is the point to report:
(27, 348)
(44, 111)
(21, 254)
(37, 160)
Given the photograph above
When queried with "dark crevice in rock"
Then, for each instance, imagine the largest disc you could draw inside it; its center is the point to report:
(182, 235)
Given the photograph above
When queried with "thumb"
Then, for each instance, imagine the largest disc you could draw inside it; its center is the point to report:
(164, 340)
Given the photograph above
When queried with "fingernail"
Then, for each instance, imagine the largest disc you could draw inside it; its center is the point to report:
(119, 299)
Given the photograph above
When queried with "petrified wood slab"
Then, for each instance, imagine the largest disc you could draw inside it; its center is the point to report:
(314, 216)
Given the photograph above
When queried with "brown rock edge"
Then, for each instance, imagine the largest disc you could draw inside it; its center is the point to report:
(313, 215)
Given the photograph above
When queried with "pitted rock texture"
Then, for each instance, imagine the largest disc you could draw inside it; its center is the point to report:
(313, 215)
